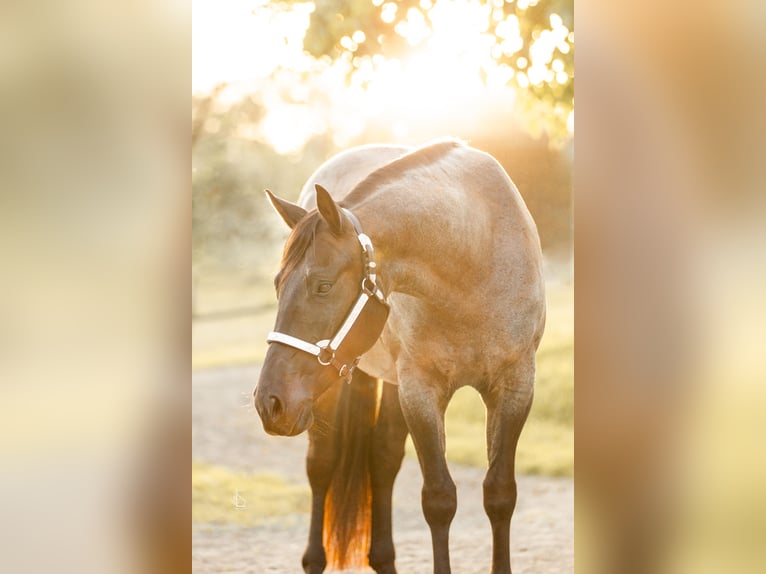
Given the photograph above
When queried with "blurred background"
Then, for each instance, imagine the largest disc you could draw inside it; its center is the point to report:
(277, 89)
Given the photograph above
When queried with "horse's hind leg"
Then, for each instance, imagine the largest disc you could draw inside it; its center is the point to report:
(423, 404)
(321, 460)
(508, 402)
(386, 456)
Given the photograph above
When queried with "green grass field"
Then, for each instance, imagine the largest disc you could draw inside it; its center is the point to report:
(258, 496)
(546, 445)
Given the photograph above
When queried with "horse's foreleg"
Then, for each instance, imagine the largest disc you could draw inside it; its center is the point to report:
(508, 402)
(321, 460)
(386, 456)
(423, 406)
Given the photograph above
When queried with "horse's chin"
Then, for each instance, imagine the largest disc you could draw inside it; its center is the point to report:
(302, 422)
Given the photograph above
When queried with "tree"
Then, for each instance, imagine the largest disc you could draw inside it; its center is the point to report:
(532, 39)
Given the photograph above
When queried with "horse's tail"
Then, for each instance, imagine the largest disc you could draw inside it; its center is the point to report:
(348, 505)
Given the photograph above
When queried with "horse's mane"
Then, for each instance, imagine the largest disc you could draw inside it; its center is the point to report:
(296, 246)
(304, 232)
(419, 157)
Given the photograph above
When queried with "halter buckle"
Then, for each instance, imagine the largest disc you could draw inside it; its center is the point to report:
(325, 350)
(369, 287)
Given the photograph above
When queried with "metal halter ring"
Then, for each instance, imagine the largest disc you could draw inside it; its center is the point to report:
(329, 361)
(369, 290)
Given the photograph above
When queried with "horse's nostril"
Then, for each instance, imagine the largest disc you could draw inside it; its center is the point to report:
(275, 406)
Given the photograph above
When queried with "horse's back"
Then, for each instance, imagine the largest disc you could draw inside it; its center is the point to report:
(479, 180)
(344, 171)
(468, 207)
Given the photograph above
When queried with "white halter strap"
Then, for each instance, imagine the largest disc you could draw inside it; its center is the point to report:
(290, 341)
(325, 349)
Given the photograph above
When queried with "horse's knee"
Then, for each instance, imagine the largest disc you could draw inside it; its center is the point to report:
(439, 503)
(319, 468)
(499, 497)
(314, 560)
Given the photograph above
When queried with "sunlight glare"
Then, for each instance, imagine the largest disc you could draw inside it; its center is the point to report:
(414, 28)
(456, 64)
(287, 126)
(348, 44)
(423, 89)
(388, 12)
(444, 74)
(233, 42)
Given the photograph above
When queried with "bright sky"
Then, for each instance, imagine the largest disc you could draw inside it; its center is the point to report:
(233, 42)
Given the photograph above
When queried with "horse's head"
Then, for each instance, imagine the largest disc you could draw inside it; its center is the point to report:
(319, 284)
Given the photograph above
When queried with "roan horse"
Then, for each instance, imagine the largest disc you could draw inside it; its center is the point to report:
(428, 274)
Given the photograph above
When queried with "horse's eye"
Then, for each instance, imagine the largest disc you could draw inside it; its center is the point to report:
(323, 287)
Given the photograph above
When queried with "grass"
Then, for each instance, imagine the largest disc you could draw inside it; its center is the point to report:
(235, 340)
(547, 442)
(258, 496)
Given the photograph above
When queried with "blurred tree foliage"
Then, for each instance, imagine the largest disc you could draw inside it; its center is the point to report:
(532, 38)
(231, 168)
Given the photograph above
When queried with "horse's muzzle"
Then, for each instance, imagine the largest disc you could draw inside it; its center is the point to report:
(278, 418)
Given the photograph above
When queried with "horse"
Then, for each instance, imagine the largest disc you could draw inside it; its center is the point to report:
(426, 275)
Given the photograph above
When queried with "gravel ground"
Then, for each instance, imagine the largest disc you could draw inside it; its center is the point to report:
(226, 431)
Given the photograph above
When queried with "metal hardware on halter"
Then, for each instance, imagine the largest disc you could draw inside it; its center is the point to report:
(324, 346)
(328, 347)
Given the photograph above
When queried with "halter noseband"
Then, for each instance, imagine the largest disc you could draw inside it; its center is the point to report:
(325, 350)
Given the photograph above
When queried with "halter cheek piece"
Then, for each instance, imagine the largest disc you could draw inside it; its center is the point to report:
(326, 350)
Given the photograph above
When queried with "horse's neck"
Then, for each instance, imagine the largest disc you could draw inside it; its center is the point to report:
(420, 249)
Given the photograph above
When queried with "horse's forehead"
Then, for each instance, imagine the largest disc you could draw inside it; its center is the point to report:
(324, 251)
(327, 250)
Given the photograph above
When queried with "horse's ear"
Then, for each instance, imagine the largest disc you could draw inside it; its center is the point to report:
(329, 209)
(289, 212)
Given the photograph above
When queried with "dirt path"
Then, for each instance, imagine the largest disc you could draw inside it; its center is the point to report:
(226, 431)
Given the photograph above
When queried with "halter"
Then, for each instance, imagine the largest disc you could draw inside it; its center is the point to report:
(326, 349)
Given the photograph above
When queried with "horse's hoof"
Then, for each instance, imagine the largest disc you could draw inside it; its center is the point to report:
(385, 569)
(315, 566)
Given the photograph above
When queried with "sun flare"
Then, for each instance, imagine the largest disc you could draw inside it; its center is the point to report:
(455, 60)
